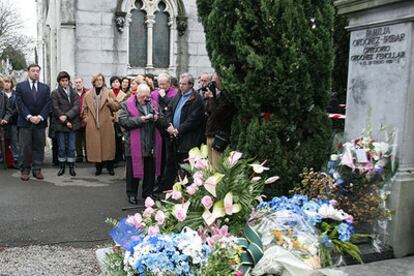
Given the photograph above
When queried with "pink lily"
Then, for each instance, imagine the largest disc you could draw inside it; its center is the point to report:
(234, 158)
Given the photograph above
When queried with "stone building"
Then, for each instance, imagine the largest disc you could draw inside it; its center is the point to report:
(123, 38)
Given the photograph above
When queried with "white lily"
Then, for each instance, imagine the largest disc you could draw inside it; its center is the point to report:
(258, 168)
(328, 211)
(234, 158)
(211, 183)
(218, 212)
(229, 207)
(272, 179)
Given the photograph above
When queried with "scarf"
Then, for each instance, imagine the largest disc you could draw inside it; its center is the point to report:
(116, 91)
(135, 140)
(97, 103)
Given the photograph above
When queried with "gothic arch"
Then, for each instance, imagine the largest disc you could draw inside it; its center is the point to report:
(177, 24)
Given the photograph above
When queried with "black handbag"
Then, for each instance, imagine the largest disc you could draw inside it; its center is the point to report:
(221, 141)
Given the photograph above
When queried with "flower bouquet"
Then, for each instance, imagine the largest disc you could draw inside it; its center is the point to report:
(355, 177)
(202, 200)
(311, 229)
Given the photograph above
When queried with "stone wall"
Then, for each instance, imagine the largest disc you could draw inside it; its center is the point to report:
(198, 61)
(101, 48)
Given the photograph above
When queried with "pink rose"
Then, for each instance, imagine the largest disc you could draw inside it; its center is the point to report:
(240, 272)
(160, 217)
(153, 230)
(176, 195)
(198, 178)
(149, 202)
(207, 202)
(192, 189)
(148, 212)
(349, 219)
(180, 215)
(136, 221)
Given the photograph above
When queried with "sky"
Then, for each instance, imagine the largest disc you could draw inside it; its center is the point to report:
(27, 12)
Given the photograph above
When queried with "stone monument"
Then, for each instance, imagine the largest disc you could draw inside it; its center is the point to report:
(381, 91)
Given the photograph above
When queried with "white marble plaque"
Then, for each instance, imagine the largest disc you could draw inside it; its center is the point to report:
(378, 78)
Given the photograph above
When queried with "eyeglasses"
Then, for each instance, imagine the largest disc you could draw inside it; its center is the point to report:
(184, 83)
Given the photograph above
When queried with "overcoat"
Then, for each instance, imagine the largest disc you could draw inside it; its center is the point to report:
(100, 136)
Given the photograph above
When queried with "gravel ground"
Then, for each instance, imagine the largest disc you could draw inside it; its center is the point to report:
(48, 260)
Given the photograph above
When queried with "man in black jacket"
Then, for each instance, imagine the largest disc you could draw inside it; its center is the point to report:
(186, 124)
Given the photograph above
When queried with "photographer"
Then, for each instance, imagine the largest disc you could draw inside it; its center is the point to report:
(203, 81)
(142, 120)
(220, 111)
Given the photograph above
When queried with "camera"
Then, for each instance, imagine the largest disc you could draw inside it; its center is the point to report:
(211, 85)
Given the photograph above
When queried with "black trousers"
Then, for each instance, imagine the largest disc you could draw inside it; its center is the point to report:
(148, 181)
(119, 146)
(80, 143)
(32, 144)
(169, 166)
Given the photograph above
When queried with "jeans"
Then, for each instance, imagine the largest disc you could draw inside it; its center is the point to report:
(66, 146)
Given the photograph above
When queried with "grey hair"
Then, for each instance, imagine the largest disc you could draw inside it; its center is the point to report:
(188, 77)
(143, 88)
(206, 73)
(164, 76)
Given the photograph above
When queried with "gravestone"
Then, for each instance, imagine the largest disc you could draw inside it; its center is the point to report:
(381, 92)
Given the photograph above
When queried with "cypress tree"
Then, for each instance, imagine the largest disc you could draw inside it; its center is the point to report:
(275, 57)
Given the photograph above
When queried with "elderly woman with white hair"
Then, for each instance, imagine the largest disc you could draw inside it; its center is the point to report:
(142, 120)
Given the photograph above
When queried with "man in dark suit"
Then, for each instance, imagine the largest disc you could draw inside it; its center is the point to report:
(186, 118)
(33, 107)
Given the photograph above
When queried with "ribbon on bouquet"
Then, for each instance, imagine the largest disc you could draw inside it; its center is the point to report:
(253, 249)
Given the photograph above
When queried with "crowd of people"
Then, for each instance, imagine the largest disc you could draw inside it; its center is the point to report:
(150, 122)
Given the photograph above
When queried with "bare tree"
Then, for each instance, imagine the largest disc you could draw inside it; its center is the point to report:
(10, 24)
(12, 35)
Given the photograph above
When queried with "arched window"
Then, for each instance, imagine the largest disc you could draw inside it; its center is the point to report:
(138, 36)
(161, 46)
(152, 35)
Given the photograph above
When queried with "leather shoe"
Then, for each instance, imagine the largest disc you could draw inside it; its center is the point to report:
(111, 171)
(133, 200)
(38, 175)
(98, 171)
(24, 176)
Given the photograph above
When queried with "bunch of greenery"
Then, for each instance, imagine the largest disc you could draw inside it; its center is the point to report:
(275, 58)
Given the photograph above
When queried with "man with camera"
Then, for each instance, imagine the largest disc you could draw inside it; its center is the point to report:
(219, 111)
(142, 120)
(203, 80)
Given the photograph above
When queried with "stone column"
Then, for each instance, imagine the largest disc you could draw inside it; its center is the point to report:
(150, 24)
(380, 91)
(172, 26)
(67, 37)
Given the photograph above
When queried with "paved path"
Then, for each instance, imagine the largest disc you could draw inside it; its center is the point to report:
(60, 210)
